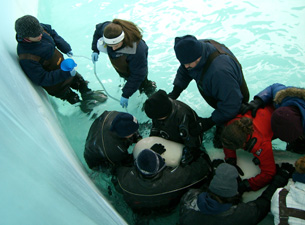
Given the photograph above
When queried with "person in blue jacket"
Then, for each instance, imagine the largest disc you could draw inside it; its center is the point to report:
(288, 119)
(39, 49)
(219, 79)
(128, 52)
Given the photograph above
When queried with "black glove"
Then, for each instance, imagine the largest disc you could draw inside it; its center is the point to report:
(216, 163)
(187, 157)
(233, 162)
(175, 92)
(201, 125)
(158, 148)
(280, 179)
(243, 186)
(286, 170)
(254, 105)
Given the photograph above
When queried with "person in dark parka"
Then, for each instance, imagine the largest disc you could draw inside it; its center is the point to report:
(171, 120)
(288, 119)
(221, 204)
(122, 41)
(39, 54)
(108, 140)
(150, 185)
(219, 79)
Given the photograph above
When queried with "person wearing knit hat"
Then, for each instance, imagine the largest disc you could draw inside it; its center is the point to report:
(219, 80)
(124, 125)
(287, 204)
(108, 140)
(220, 203)
(123, 42)
(28, 26)
(288, 119)
(40, 51)
(158, 105)
(286, 123)
(171, 120)
(224, 182)
(149, 163)
(150, 185)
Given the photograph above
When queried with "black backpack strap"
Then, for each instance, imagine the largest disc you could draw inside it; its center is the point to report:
(285, 212)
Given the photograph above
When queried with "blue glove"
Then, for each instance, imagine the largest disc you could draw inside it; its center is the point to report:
(124, 102)
(94, 57)
(70, 54)
(73, 72)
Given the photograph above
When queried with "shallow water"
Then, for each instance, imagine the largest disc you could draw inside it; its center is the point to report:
(266, 36)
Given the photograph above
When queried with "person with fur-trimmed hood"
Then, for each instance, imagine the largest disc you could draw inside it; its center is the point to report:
(288, 120)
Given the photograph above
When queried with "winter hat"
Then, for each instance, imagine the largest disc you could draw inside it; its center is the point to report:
(286, 123)
(224, 182)
(149, 163)
(188, 49)
(124, 124)
(158, 105)
(299, 175)
(28, 26)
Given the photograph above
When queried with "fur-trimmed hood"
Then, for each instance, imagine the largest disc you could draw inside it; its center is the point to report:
(289, 92)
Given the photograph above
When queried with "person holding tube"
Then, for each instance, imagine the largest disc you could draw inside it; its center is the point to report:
(127, 51)
(40, 51)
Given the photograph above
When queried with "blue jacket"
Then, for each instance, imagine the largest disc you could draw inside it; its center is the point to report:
(44, 49)
(137, 63)
(221, 81)
(293, 98)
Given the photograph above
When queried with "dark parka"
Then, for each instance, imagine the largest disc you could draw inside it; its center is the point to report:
(176, 126)
(281, 95)
(136, 68)
(221, 83)
(45, 49)
(105, 148)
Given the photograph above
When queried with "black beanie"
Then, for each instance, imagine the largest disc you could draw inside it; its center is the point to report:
(158, 105)
(188, 49)
(149, 163)
(124, 124)
(28, 26)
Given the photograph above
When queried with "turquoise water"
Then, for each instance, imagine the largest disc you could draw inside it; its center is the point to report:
(267, 38)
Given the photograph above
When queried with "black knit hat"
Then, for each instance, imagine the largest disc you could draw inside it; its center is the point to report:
(188, 49)
(158, 105)
(149, 163)
(28, 26)
(124, 124)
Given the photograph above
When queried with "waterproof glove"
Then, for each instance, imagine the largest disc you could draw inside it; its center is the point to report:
(124, 102)
(286, 170)
(70, 54)
(200, 126)
(187, 157)
(243, 186)
(254, 105)
(233, 162)
(216, 163)
(158, 148)
(280, 179)
(94, 57)
(175, 92)
(73, 72)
